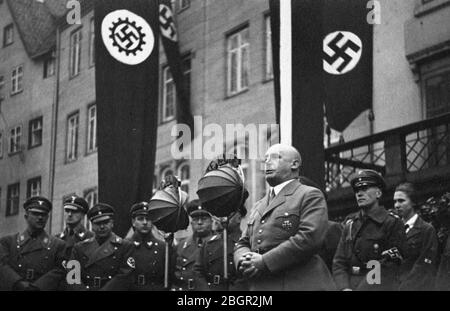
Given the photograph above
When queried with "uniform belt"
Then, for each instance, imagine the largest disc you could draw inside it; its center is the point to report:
(146, 279)
(216, 279)
(358, 270)
(96, 282)
(30, 275)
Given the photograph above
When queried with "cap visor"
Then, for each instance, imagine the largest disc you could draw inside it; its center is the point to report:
(100, 218)
(38, 210)
(71, 207)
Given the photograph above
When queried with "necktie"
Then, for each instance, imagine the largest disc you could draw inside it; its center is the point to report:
(200, 242)
(271, 195)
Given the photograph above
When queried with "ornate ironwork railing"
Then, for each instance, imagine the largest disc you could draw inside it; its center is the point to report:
(414, 147)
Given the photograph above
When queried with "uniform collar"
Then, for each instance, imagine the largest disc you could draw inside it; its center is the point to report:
(377, 213)
(25, 236)
(148, 241)
(79, 230)
(411, 222)
(280, 187)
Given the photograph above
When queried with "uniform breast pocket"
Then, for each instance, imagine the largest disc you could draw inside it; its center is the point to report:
(287, 224)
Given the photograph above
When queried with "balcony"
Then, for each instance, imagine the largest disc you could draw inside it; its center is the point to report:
(418, 152)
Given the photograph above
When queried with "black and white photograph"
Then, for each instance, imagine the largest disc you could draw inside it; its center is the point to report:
(244, 147)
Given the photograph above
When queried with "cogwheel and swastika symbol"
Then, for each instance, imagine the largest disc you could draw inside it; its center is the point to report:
(166, 22)
(342, 51)
(127, 37)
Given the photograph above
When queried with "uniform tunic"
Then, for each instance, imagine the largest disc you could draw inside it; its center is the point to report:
(107, 266)
(149, 255)
(419, 269)
(364, 239)
(34, 259)
(188, 266)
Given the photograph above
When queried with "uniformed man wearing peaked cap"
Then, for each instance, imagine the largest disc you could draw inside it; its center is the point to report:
(105, 259)
(372, 233)
(148, 252)
(32, 260)
(189, 266)
(75, 208)
(365, 178)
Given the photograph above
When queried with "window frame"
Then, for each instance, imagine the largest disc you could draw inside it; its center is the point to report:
(89, 128)
(49, 62)
(9, 27)
(182, 8)
(72, 45)
(12, 207)
(68, 159)
(31, 131)
(91, 42)
(268, 51)
(184, 182)
(166, 81)
(1, 144)
(17, 144)
(17, 77)
(30, 182)
(86, 194)
(239, 51)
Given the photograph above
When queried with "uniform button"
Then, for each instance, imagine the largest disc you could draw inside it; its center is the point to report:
(263, 221)
(259, 241)
(109, 277)
(156, 252)
(184, 269)
(260, 231)
(87, 287)
(181, 278)
(20, 266)
(184, 259)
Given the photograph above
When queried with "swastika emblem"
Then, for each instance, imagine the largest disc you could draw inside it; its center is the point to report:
(342, 51)
(166, 23)
(127, 37)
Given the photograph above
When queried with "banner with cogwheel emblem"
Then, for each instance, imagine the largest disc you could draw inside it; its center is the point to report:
(126, 74)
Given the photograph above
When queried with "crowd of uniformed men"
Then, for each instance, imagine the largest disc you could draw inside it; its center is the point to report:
(288, 243)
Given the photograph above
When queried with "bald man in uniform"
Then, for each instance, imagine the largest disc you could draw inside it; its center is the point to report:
(279, 248)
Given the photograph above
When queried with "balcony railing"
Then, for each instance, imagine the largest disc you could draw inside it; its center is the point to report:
(411, 148)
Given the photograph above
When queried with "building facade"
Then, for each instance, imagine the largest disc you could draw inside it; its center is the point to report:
(227, 61)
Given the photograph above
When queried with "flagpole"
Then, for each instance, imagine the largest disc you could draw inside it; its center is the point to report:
(285, 72)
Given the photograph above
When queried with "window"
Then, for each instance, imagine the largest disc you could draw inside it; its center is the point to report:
(1, 144)
(91, 196)
(12, 200)
(437, 94)
(17, 80)
(169, 89)
(14, 139)
(92, 129)
(72, 137)
(169, 95)
(166, 172)
(8, 35)
(237, 61)
(184, 175)
(35, 133)
(2, 95)
(49, 66)
(75, 53)
(34, 187)
(91, 43)
(268, 50)
(184, 4)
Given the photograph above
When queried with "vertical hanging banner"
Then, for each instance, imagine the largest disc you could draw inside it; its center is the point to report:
(347, 60)
(329, 62)
(126, 74)
(303, 67)
(169, 38)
